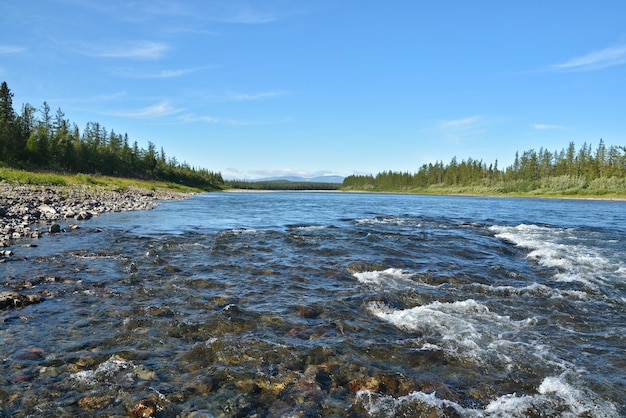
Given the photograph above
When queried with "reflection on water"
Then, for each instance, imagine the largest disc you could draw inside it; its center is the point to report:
(291, 304)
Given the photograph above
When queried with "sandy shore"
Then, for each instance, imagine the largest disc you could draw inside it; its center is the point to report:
(28, 211)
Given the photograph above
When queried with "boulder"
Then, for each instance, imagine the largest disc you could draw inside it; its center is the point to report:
(47, 209)
(13, 299)
(83, 216)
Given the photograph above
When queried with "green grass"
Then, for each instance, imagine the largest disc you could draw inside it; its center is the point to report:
(54, 179)
(562, 186)
(556, 187)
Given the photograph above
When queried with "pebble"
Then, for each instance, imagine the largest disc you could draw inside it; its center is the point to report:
(23, 206)
(144, 409)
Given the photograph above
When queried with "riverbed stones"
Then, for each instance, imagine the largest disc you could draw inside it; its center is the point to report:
(23, 206)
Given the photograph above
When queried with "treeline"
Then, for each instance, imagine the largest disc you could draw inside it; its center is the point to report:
(589, 170)
(282, 185)
(35, 139)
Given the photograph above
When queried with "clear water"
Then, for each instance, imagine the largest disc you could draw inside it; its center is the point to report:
(324, 304)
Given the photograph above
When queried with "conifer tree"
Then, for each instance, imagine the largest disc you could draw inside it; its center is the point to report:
(7, 124)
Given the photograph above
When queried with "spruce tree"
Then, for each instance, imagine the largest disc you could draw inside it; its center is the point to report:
(7, 124)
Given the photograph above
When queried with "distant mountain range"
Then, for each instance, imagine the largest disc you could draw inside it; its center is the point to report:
(318, 179)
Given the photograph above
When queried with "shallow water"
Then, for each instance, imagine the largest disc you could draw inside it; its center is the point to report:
(323, 304)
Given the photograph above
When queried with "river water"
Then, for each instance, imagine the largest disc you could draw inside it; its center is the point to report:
(323, 304)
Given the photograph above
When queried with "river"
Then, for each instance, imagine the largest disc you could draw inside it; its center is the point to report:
(323, 304)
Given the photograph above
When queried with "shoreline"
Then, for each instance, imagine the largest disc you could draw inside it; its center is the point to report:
(30, 211)
(567, 197)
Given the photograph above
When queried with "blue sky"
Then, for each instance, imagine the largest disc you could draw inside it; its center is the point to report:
(260, 88)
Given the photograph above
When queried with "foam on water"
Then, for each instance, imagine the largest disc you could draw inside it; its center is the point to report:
(309, 227)
(378, 405)
(389, 220)
(389, 279)
(532, 290)
(106, 369)
(465, 329)
(554, 397)
(115, 370)
(558, 248)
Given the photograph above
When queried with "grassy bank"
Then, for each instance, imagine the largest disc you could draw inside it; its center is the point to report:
(56, 179)
(557, 187)
(562, 186)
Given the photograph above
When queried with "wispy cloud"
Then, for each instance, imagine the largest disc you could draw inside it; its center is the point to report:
(11, 49)
(458, 129)
(244, 97)
(164, 111)
(252, 13)
(248, 16)
(192, 118)
(459, 123)
(237, 174)
(99, 98)
(596, 60)
(546, 127)
(135, 50)
(158, 110)
(159, 74)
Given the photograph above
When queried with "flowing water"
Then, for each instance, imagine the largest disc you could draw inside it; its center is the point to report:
(323, 304)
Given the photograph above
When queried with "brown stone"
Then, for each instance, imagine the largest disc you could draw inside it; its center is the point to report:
(144, 409)
(94, 402)
(364, 383)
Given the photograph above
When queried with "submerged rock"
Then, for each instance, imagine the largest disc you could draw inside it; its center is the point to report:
(92, 403)
(144, 409)
(13, 299)
(29, 354)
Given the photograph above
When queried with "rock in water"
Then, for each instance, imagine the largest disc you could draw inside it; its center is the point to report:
(13, 299)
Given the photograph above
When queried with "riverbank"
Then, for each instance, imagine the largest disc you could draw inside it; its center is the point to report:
(562, 187)
(444, 193)
(30, 211)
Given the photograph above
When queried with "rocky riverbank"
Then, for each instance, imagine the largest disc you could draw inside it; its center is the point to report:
(29, 211)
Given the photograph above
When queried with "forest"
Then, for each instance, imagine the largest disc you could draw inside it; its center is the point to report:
(37, 139)
(282, 185)
(588, 170)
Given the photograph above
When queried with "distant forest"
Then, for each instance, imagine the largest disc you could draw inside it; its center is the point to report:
(35, 139)
(282, 185)
(587, 170)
